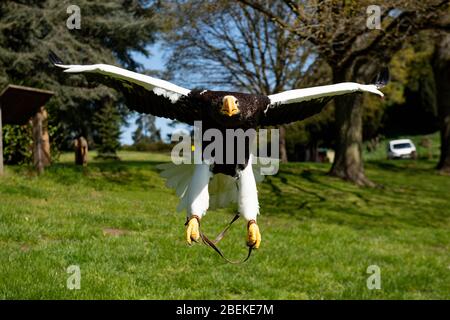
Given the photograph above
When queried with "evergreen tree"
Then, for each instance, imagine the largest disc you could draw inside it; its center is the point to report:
(107, 122)
(146, 131)
(137, 135)
(110, 31)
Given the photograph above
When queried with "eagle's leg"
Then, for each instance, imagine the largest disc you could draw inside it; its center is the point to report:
(248, 204)
(198, 198)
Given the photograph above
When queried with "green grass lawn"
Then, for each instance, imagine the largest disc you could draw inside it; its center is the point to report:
(117, 222)
(422, 152)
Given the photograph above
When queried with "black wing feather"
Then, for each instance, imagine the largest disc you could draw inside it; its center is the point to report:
(143, 100)
(139, 99)
(274, 115)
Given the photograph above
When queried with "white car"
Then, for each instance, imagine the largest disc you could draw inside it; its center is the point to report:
(402, 148)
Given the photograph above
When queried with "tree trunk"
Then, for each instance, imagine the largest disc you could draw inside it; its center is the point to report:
(441, 68)
(38, 154)
(41, 142)
(283, 152)
(45, 138)
(348, 162)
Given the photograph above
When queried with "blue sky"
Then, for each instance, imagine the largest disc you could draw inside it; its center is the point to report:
(154, 62)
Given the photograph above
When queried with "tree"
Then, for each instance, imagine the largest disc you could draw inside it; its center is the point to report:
(338, 33)
(107, 124)
(441, 64)
(233, 46)
(110, 31)
(410, 104)
(146, 131)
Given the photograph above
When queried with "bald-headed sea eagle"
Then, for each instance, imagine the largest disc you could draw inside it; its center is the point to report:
(205, 185)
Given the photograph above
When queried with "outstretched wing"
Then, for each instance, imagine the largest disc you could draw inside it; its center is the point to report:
(296, 105)
(142, 93)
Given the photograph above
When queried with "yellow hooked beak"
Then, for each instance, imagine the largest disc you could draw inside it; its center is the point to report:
(230, 107)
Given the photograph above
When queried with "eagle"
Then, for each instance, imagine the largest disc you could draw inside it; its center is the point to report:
(210, 184)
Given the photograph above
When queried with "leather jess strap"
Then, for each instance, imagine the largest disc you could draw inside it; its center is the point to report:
(212, 243)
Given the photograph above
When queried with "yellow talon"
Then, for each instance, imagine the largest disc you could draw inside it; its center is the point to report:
(192, 230)
(253, 236)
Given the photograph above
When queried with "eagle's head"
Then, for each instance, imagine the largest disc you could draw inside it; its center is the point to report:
(230, 106)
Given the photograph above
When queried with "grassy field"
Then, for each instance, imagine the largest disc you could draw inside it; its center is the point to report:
(117, 222)
(423, 152)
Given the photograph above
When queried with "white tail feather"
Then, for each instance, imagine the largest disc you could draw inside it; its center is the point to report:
(222, 188)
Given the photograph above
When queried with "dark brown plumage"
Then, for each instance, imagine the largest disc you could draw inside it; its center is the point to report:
(220, 110)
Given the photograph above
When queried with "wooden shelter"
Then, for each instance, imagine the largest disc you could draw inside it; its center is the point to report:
(19, 105)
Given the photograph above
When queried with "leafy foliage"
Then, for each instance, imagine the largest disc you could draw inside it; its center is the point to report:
(110, 31)
(18, 144)
(410, 106)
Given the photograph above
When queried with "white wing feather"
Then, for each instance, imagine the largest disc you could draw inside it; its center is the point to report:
(158, 86)
(299, 95)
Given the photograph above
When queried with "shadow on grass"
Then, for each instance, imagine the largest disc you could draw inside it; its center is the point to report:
(412, 196)
(403, 166)
(133, 173)
(20, 189)
(311, 194)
